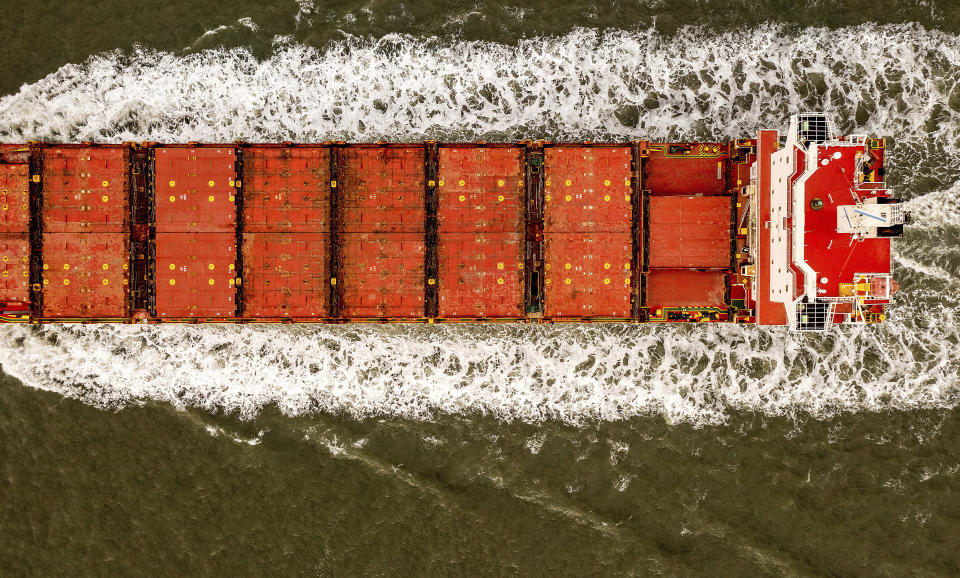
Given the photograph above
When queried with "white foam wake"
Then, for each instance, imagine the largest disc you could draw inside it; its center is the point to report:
(571, 373)
(583, 85)
(895, 80)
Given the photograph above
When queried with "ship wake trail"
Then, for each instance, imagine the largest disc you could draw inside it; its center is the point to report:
(896, 80)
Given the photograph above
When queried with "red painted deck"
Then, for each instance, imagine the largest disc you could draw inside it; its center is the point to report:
(196, 274)
(85, 274)
(685, 288)
(688, 169)
(195, 189)
(690, 232)
(286, 189)
(587, 232)
(480, 218)
(382, 246)
(14, 198)
(14, 267)
(286, 275)
(828, 252)
(85, 189)
(768, 312)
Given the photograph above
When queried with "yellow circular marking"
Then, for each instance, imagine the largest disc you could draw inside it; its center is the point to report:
(567, 198)
(546, 266)
(606, 265)
(626, 197)
(568, 182)
(547, 198)
(172, 198)
(431, 183)
(210, 198)
(46, 281)
(626, 281)
(66, 266)
(626, 266)
(105, 183)
(4, 206)
(548, 182)
(462, 182)
(25, 258)
(231, 197)
(499, 182)
(172, 266)
(105, 266)
(606, 281)
(567, 266)
(104, 198)
(173, 183)
(462, 198)
(232, 281)
(26, 273)
(231, 267)
(500, 198)
(105, 282)
(431, 281)
(173, 281)
(606, 183)
(4, 258)
(36, 178)
(626, 183)
(45, 266)
(566, 281)
(66, 281)
(500, 281)
(210, 266)
(499, 265)
(547, 281)
(210, 281)
(210, 183)
(606, 197)
(440, 183)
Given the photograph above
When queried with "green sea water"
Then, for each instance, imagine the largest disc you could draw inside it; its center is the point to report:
(122, 454)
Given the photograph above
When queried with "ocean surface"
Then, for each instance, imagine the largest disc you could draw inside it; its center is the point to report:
(463, 450)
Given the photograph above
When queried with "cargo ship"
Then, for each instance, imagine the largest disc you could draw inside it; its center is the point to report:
(790, 230)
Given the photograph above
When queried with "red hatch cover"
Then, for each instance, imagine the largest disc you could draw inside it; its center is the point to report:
(85, 275)
(14, 198)
(690, 232)
(480, 216)
(382, 275)
(587, 232)
(382, 246)
(587, 275)
(195, 274)
(286, 189)
(14, 267)
(684, 288)
(285, 275)
(85, 189)
(686, 169)
(194, 189)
